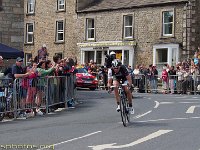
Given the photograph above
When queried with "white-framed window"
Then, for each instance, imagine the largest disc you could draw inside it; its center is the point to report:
(28, 57)
(168, 23)
(90, 29)
(128, 26)
(60, 31)
(31, 6)
(29, 32)
(60, 5)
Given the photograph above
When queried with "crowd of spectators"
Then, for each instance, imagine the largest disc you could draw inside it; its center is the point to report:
(41, 67)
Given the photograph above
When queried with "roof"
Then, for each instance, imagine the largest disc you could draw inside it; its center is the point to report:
(10, 53)
(99, 5)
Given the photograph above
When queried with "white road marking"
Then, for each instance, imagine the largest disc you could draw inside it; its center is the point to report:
(189, 102)
(195, 97)
(157, 104)
(191, 109)
(168, 119)
(139, 116)
(167, 103)
(87, 135)
(144, 139)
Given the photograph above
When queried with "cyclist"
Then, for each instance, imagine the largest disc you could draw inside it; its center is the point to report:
(117, 73)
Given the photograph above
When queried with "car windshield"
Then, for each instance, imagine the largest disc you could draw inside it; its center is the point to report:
(82, 70)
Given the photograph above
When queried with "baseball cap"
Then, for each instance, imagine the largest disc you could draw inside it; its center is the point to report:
(112, 53)
(19, 59)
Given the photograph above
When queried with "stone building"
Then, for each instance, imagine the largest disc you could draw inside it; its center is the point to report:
(140, 31)
(12, 23)
(50, 22)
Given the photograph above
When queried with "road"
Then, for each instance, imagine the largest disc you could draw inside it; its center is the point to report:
(160, 122)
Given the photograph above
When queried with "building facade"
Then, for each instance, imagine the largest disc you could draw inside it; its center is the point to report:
(50, 22)
(12, 23)
(140, 32)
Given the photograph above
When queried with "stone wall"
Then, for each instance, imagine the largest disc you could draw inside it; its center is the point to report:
(12, 23)
(44, 20)
(147, 28)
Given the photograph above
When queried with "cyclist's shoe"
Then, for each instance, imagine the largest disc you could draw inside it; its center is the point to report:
(118, 108)
(131, 110)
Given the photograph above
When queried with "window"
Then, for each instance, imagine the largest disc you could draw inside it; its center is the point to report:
(99, 57)
(90, 29)
(60, 5)
(31, 6)
(59, 31)
(28, 57)
(128, 27)
(168, 23)
(60, 55)
(29, 33)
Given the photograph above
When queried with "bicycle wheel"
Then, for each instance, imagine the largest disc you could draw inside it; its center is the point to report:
(123, 111)
(127, 111)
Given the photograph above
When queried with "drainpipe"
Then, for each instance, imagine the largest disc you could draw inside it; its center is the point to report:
(188, 38)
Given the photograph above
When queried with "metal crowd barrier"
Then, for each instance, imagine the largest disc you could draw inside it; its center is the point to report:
(38, 93)
(6, 98)
(140, 83)
(174, 84)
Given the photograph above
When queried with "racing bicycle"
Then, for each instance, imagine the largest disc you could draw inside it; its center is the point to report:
(124, 112)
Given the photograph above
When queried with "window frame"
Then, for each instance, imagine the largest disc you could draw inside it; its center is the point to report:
(30, 5)
(92, 28)
(29, 33)
(58, 5)
(128, 26)
(60, 32)
(59, 54)
(163, 23)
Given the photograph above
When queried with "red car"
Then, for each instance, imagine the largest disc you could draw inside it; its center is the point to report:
(85, 80)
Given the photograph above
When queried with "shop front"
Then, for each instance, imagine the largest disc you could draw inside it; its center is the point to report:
(97, 51)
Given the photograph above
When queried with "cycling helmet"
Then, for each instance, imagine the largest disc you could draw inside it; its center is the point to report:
(116, 63)
(112, 53)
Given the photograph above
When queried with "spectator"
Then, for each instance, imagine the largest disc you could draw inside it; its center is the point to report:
(172, 74)
(180, 80)
(42, 53)
(164, 80)
(136, 73)
(41, 84)
(18, 72)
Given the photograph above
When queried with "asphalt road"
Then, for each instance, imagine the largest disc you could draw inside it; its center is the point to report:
(160, 122)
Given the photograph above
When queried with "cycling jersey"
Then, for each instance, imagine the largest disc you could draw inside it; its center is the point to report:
(121, 75)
